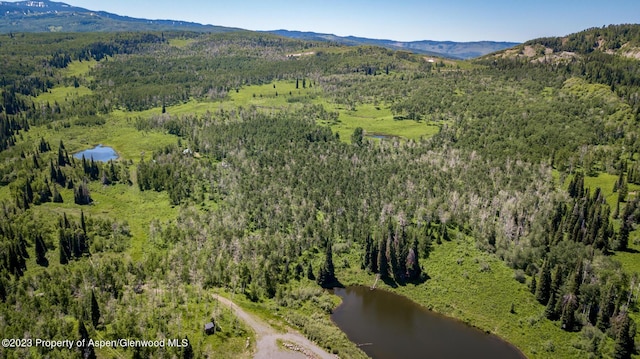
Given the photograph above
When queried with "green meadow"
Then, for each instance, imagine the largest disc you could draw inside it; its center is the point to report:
(374, 119)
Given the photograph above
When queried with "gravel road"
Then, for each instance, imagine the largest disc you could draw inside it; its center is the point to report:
(266, 336)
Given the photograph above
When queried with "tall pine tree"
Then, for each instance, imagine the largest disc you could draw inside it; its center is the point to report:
(543, 289)
(383, 263)
(95, 310)
(326, 276)
(624, 338)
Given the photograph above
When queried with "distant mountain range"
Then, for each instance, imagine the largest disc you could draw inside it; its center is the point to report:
(452, 49)
(51, 16)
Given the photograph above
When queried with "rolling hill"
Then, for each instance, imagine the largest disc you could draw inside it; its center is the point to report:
(622, 40)
(51, 16)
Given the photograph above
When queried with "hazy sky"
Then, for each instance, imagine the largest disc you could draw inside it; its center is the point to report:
(405, 20)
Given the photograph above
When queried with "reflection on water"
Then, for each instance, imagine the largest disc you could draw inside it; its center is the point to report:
(99, 153)
(387, 326)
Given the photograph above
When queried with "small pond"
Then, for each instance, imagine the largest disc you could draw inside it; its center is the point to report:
(386, 326)
(99, 153)
(380, 137)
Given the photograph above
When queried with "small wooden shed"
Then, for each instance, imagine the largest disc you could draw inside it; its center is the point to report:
(210, 328)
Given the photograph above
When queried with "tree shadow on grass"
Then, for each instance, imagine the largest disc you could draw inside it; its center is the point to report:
(391, 282)
(629, 250)
(335, 283)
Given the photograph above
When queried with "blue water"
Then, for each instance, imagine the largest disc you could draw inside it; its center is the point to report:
(380, 136)
(99, 153)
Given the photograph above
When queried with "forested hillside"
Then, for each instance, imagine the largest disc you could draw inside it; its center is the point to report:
(269, 168)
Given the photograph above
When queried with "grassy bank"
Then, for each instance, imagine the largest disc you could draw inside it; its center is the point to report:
(479, 289)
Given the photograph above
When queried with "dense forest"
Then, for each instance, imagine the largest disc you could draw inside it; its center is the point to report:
(233, 176)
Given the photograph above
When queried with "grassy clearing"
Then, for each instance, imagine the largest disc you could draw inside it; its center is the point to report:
(605, 181)
(192, 107)
(63, 94)
(460, 288)
(79, 69)
(129, 143)
(375, 120)
(279, 94)
(582, 88)
(120, 202)
(181, 43)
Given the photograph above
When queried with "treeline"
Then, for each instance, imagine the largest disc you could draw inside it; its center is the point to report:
(30, 64)
(216, 64)
(172, 171)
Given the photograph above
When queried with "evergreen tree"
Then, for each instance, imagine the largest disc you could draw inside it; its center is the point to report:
(61, 158)
(624, 338)
(326, 276)
(550, 311)
(310, 274)
(86, 351)
(623, 190)
(543, 290)
(414, 272)
(576, 186)
(368, 244)
(570, 305)
(383, 264)
(44, 146)
(623, 235)
(81, 194)
(444, 233)
(392, 254)
(576, 278)
(607, 306)
(41, 251)
(53, 174)
(357, 136)
(62, 246)
(533, 285)
(95, 310)
(83, 223)
(3, 291)
(36, 164)
(113, 173)
(555, 304)
(28, 190)
(402, 252)
(187, 352)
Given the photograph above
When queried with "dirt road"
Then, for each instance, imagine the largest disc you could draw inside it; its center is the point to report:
(266, 336)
